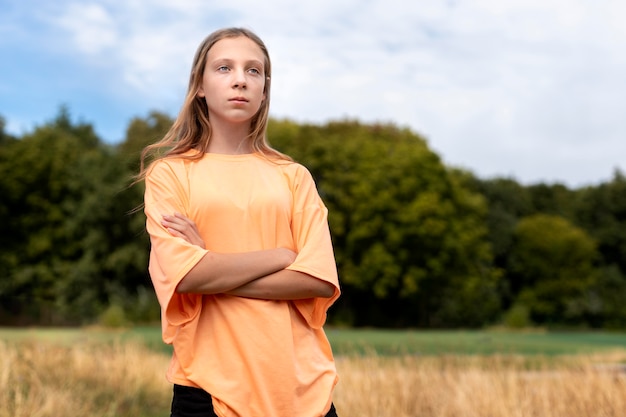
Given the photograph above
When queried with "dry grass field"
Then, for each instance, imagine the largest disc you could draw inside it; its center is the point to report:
(473, 386)
(43, 379)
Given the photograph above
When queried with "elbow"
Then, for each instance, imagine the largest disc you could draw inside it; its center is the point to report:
(194, 284)
(189, 284)
(326, 290)
(183, 287)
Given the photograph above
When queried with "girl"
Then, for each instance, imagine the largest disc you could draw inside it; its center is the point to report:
(241, 256)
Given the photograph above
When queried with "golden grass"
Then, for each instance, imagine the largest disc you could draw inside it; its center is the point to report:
(502, 386)
(41, 379)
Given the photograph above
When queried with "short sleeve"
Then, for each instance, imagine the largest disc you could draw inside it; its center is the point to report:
(314, 246)
(171, 258)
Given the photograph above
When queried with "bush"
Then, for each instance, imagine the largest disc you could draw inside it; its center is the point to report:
(114, 316)
(518, 317)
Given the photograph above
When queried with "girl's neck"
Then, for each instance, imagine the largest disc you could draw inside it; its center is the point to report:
(230, 139)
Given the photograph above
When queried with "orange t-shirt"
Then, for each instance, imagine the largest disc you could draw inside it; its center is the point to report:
(255, 357)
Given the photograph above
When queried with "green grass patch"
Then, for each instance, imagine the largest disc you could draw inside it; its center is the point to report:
(369, 341)
(472, 342)
(149, 336)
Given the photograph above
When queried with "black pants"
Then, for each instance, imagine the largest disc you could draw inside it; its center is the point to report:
(196, 402)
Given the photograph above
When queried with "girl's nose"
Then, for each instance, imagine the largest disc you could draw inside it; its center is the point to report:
(239, 80)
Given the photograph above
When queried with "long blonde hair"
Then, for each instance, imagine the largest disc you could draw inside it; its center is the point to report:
(192, 128)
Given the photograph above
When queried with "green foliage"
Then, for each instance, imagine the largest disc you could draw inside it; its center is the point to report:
(517, 317)
(71, 239)
(551, 268)
(113, 317)
(405, 229)
(555, 199)
(417, 243)
(602, 211)
(140, 133)
(508, 201)
(4, 136)
(605, 300)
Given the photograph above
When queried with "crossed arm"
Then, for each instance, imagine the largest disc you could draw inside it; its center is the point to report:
(258, 274)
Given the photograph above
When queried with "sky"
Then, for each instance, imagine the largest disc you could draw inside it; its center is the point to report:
(533, 90)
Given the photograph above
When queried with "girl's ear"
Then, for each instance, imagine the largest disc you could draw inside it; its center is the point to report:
(200, 92)
(267, 80)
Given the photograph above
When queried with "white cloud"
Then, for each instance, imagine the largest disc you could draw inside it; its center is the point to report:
(531, 88)
(91, 26)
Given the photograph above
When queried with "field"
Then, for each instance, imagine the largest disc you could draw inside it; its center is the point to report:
(51, 372)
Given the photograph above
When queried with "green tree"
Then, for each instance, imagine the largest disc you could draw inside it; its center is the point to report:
(4, 136)
(555, 199)
(40, 186)
(606, 299)
(601, 210)
(70, 249)
(551, 269)
(507, 202)
(409, 236)
(140, 133)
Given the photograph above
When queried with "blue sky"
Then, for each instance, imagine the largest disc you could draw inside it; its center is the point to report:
(529, 89)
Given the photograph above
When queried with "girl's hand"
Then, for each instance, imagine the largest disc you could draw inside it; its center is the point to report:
(180, 226)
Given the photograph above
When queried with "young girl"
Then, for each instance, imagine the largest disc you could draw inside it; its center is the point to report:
(241, 256)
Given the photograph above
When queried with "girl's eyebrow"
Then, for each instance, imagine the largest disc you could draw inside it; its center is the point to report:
(230, 61)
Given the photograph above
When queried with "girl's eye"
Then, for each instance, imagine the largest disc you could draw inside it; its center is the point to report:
(222, 68)
(255, 71)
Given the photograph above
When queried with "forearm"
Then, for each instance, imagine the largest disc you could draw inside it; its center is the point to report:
(285, 285)
(222, 272)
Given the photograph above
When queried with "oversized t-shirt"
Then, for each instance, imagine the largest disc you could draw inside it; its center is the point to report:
(257, 358)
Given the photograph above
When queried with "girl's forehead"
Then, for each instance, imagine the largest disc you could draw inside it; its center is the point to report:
(240, 47)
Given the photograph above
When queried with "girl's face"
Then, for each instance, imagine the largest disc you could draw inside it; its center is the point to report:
(233, 82)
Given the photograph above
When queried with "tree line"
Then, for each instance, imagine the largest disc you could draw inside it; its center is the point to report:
(418, 243)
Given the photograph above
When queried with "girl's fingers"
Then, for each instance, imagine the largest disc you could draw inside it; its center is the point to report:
(174, 221)
(180, 226)
(181, 217)
(174, 232)
(178, 218)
